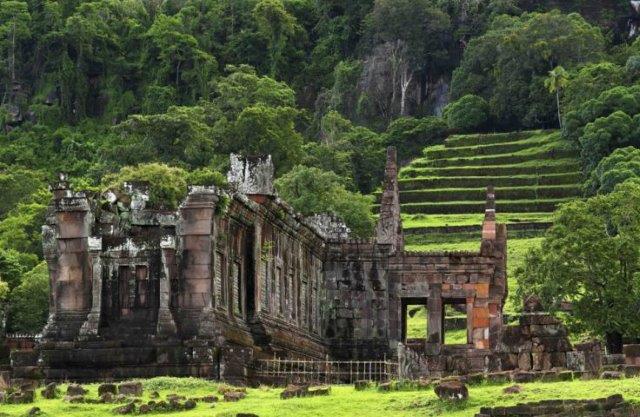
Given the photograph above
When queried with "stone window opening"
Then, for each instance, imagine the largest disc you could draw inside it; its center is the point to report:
(455, 322)
(414, 318)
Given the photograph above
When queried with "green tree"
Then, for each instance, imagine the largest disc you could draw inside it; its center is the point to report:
(269, 131)
(311, 191)
(278, 27)
(21, 229)
(14, 29)
(176, 59)
(621, 165)
(591, 258)
(468, 114)
(589, 82)
(181, 135)
(29, 302)
(605, 134)
(555, 83)
(496, 67)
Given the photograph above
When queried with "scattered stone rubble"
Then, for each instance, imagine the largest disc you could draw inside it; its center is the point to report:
(613, 406)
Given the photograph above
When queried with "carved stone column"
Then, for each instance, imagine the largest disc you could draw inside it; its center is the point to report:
(71, 280)
(166, 326)
(91, 325)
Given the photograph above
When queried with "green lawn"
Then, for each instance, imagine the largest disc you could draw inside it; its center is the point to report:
(344, 401)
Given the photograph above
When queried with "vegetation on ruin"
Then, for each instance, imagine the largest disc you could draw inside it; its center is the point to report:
(114, 91)
(343, 400)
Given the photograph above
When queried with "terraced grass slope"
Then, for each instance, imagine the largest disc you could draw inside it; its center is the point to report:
(444, 191)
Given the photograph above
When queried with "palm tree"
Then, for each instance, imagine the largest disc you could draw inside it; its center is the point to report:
(557, 80)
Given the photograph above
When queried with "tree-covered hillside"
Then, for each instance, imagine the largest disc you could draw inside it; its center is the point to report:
(109, 91)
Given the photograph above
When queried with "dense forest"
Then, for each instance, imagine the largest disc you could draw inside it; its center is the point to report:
(114, 90)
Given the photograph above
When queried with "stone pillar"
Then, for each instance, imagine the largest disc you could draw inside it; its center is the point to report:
(389, 227)
(72, 280)
(489, 223)
(196, 234)
(436, 320)
(257, 267)
(166, 326)
(91, 326)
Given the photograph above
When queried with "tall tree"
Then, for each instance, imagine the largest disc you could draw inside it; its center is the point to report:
(278, 27)
(14, 28)
(555, 83)
(590, 257)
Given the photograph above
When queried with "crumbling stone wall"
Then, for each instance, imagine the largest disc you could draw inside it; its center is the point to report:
(236, 275)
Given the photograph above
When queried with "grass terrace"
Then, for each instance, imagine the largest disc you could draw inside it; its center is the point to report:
(442, 194)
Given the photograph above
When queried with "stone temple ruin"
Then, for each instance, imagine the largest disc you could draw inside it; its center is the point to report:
(235, 276)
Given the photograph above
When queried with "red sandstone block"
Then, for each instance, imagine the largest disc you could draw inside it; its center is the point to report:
(481, 344)
(482, 290)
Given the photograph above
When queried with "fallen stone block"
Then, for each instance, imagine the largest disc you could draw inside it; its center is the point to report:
(51, 391)
(20, 397)
(632, 371)
(133, 389)
(293, 391)
(514, 389)
(107, 388)
(233, 396)
(524, 377)
(452, 391)
(611, 375)
(34, 411)
(208, 399)
(74, 390)
(107, 398)
(74, 399)
(631, 354)
(319, 390)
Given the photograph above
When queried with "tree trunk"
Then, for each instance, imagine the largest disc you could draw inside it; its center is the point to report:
(614, 342)
(407, 78)
(13, 53)
(558, 104)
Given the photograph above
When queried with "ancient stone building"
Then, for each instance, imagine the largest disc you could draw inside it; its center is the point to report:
(236, 275)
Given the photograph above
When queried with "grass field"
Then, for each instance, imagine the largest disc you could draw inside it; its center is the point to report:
(343, 401)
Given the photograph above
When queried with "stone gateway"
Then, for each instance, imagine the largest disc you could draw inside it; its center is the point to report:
(235, 275)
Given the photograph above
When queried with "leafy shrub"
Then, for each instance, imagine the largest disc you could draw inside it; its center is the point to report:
(468, 114)
(167, 185)
(206, 176)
